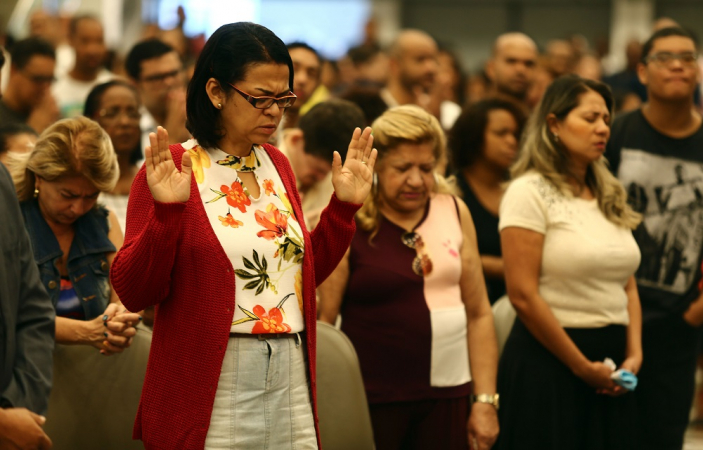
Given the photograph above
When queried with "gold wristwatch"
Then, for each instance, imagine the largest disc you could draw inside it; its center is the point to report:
(491, 399)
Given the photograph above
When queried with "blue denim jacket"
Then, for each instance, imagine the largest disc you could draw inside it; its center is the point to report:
(87, 263)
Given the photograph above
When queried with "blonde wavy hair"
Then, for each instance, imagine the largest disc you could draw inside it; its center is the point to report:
(543, 153)
(69, 147)
(407, 124)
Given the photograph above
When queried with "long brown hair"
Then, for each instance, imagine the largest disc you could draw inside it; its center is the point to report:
(542, 153)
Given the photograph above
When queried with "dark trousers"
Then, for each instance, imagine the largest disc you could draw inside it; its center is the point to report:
(421, 425)
(666, 382)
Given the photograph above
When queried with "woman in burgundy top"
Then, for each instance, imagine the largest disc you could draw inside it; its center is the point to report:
(413, 300)
(228, 372)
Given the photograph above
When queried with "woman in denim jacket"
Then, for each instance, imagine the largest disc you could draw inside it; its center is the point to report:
(74, 240)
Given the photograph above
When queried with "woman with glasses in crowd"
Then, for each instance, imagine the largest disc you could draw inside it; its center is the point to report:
(115, 106)
(74, 239)
(484, 144)
(569, 259)
(216, 240)
(413, 299)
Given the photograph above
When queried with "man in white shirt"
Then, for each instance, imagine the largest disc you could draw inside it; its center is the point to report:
(156, 70)
(86, 36)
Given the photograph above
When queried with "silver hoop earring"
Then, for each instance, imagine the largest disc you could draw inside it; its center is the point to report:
(374, 184)
(556, 137)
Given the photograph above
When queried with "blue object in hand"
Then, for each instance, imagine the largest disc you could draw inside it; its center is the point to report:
(625, 378)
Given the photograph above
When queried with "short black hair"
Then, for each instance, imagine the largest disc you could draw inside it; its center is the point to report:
(92, 108)
(328, 126)
(73, 24)
(23, 51)
(226, 57)
(466, 138)
(363, 53)
(665, 32)
(95, 97)
(13, 129)
(303, 45)
(367, 97)
(148, 49)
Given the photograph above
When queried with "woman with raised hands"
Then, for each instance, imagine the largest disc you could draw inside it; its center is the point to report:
(215, 239)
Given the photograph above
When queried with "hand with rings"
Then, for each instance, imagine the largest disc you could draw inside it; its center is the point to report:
(352, 181)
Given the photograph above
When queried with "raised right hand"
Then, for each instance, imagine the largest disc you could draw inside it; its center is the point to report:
(166, 183)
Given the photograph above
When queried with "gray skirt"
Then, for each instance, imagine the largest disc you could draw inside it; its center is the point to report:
(263, 396)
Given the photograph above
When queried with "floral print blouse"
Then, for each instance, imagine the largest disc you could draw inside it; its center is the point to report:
(261, 236)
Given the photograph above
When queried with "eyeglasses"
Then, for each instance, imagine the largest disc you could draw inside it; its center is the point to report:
(161, 77)
(665, 59)
(112, 114)
(422, 264)
(265, 102)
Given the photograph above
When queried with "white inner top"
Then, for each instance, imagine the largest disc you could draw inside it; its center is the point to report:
(261, 236)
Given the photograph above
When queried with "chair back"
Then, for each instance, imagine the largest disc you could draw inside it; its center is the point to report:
(94, 398)
(345, 423)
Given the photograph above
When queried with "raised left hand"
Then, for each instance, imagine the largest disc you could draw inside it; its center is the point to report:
(352, 181)
(483, 426)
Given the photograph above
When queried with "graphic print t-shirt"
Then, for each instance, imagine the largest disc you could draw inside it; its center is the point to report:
(663, 177)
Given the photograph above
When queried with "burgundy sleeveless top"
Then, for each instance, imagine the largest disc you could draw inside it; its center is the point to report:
(409, 331)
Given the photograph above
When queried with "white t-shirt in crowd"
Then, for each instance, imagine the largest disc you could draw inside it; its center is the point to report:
(70, 94)
(586, 259)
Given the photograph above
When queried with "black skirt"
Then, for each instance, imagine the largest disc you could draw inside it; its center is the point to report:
(545, 406)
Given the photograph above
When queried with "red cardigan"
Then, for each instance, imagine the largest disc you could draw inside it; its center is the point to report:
(172, 258)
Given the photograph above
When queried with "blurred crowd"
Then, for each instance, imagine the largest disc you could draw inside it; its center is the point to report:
(495, 257)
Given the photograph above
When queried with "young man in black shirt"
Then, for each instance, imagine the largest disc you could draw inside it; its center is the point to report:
(657, 153)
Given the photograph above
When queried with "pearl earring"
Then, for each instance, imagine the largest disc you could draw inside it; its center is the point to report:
(219, 106)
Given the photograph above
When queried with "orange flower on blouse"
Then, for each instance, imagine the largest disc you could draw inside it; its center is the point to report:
(276, 224)
(268, 186)
(269, 323)
(236, 196)
(229, 221)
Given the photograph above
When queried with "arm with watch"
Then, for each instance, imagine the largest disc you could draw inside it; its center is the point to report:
(483, 348)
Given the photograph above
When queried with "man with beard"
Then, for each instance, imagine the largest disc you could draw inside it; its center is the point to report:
(512, 67)
(412, 78)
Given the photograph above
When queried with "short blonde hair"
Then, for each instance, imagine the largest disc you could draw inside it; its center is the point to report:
(69, 147)
(407, 124)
